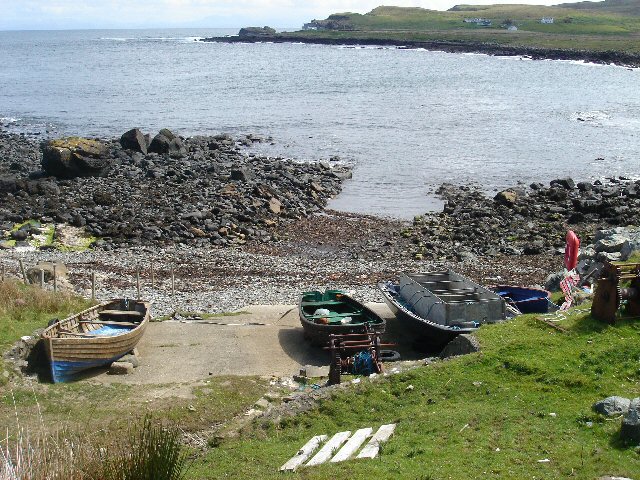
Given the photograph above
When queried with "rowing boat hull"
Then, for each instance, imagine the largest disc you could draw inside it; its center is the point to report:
(525, 299)
(428, 334)
(318, 334)
(71, 355)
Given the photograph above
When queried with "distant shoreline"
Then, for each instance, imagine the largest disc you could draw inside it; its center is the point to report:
(623, 59)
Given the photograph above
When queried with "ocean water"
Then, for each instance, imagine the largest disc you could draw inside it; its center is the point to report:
(407, 120)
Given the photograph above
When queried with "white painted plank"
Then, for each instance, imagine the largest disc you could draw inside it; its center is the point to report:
(352, 445)
(371, 449)
(329, 448)
(304, 453)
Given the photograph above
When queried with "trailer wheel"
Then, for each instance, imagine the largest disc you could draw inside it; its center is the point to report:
(389, 356)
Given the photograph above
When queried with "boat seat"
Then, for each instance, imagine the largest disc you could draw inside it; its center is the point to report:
(321, 302)
(336, 314)
(115, 313)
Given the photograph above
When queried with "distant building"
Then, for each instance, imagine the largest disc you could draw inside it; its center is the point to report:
(546, 20)
(310, 26)
(483, 22)
(512, 28)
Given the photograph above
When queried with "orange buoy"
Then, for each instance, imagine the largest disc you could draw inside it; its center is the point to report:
(571, 250)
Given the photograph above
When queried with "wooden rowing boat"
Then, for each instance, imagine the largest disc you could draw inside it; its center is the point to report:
(335, 312)
(94, 337)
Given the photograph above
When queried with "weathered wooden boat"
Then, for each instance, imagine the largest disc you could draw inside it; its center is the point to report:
(438, 306)
(335, 312)
(525, 299)
(94, 337)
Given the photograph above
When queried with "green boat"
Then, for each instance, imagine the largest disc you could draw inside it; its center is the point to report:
(334, 312)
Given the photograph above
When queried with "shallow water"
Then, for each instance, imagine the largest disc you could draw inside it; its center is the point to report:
(407, 120)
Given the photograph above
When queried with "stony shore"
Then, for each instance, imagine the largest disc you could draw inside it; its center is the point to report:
(227, 251)
(626, 59)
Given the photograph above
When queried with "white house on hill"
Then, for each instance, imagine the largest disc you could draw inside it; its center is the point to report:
(546, 20)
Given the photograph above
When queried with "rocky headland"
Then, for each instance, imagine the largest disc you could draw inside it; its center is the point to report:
(622, 58)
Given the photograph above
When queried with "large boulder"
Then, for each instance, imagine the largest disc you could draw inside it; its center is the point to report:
(8, 185)
(566, 183)
(33, 273)
(134, 140)
(630, 429)
(166, 142)
(612, 406)
(75, 157)
(461, 345)
(507, 197)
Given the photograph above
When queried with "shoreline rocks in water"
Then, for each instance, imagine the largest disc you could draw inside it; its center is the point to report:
(522, 220)
(199, 190)
(626, 59)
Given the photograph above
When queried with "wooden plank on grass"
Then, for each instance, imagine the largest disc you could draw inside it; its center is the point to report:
(372, 448)
(326, 452)
(352, 445)
(304, 453)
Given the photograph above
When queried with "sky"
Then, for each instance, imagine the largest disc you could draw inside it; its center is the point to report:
(73, 14)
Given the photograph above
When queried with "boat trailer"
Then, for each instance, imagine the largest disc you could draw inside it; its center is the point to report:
(355, 353)
(617, 283)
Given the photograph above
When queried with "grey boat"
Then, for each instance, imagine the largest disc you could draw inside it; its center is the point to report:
(438, 306)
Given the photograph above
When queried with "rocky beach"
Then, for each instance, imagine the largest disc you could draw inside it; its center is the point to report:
(240, 229)
(626, 59)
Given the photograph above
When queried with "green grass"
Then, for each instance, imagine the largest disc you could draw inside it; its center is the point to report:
(24, 309)
(573, 28)
(50, 238)
(487, 414)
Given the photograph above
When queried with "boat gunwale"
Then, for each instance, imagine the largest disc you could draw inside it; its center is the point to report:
(47, 333)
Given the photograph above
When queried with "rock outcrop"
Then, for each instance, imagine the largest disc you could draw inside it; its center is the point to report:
(134, 140)
(75, 157)
(200, 190)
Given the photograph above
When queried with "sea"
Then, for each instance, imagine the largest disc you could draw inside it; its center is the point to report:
(407, 120)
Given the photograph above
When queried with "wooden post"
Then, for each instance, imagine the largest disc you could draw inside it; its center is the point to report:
(153, 277)
(55, 278)
(24, 275)
(93, 285)
(41, 278)
(138, 280)
(173, 282)
(3, 272)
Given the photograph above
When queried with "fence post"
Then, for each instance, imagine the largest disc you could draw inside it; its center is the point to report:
(24, 275)
(55, 278)
(173, 282)
(41, 278)
(3, 273)
(93, 285)
(138, 280)
(153, 276)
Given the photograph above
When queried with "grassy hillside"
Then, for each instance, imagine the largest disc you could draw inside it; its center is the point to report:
(526, 17)
(620, 7)
(572, 28)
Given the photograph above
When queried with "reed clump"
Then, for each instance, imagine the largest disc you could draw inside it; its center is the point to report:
(150, 452)
(19, 301)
